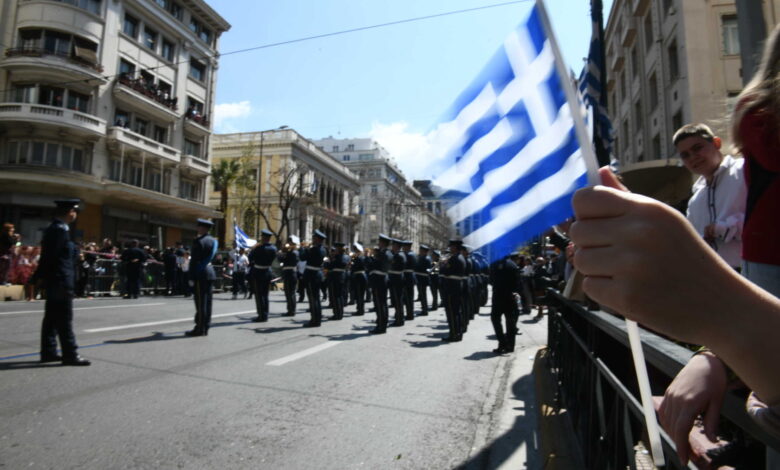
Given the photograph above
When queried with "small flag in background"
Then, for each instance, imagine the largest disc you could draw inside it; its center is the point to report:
(515, 145)
(242, 240)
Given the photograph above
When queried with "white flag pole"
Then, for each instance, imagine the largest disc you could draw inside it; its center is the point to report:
(591, 164)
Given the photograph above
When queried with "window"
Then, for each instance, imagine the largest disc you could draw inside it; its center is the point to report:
(622, 87)
(150, 38)
(171, 7)
(668, 4)
(78, 101)
(147, 77)
(126, 68)
(23, 93)
(37, 153)
(130, 26)
(168, 50)
(638, 115)
(153, 180)
(121, 118)
(203, 33)
(141, 126)
(653, 92)
(677, 121)
(161, 134)
(192, 147)
(51, 96)
(374, 189)
(657, 147)
(640, 158)
(648, 27)
(345, 158)
(92, 6)
(165, 88)
(626, 133)
(634, 63)
(46, 153)
(365, 156)
(30, 39)
(197, 70)
(56, 43)
(335, 148)
(194, 106)
(730, 33)
(674, 65)
(136, 173)
(189, 190)
(351, 147)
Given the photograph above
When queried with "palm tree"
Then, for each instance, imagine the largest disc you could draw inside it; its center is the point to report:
(224, 174)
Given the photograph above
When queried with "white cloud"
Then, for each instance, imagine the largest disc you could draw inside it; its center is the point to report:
(417, 154)
(226, 113)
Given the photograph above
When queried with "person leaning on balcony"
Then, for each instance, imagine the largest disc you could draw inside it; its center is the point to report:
(692, 295)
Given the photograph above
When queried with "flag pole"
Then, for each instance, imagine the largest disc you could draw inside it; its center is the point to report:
(591, 165)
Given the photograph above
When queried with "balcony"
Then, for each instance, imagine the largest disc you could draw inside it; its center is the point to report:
(197, 123)
(71, 120)
(135, 94)
(124, 139)
(195, 166)
(42, 63)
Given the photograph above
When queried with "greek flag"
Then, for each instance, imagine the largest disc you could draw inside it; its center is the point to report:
(515, 152)
(242, 240)
(591, 86)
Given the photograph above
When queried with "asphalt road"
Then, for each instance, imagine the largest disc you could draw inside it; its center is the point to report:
(252, 395)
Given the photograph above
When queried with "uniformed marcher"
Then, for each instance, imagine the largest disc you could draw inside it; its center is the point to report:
(422, 272)
(133, 259)
(451, 275)
(468, 291)
(359, 279)
(410, 280)
(57, 274)
(262, 257)
(289, 257)
(435, 260)
(202, 277)
(380, 265)
(337, 275)
(504, 276)
(314, 256)
(397, 281)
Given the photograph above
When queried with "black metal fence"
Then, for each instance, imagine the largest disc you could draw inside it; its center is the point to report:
(591, 362)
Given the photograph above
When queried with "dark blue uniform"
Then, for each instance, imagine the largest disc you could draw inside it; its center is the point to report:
(378, 280)
(57, 269)
(261, 257)
(202, 275)
(337, 278)
(397, 286)
(359, 282)
(314, 256)
(435, 282)
(289, 260)
(505, 278)
(451, 275)
(409, 282)
(133, 259)
(422, 273)
(469, 291)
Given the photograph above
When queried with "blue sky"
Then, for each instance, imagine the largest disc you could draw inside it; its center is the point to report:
(391, 83)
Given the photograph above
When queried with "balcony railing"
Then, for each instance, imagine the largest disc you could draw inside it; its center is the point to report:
(53, 115)
(144, 144)
(41, 52)
(198, 118)
(150, 90)
(591, 363)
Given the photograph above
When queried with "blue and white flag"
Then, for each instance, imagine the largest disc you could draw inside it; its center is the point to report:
(242, 240)
(515, 148)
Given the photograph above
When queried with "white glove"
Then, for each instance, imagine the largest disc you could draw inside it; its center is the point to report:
(192, 283)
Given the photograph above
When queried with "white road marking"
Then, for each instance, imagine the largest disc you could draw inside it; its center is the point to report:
(162, 322)
(304, 353)
(86, 308)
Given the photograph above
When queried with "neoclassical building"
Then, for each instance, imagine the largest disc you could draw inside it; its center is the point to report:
(296, 187)
(109, 101)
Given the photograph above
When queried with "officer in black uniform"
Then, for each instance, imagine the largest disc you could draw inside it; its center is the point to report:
(337, 278)
(467, 312)
(397, 281)
(409, 279)
(422, 272)
(451, 275)
(57, 273)
(359, 279)
(202, 277)
(262, 257)
(133, 258)
(314, 256)
(380, 265)
(435, 260)
(289, 258)
(504, 276)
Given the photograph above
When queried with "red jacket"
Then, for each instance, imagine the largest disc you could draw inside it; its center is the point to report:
(761, 147)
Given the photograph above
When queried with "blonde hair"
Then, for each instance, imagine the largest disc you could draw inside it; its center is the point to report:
(763, 90)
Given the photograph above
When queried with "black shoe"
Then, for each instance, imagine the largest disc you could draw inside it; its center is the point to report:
(398, 323)
(447, 339)
(311, 325)
(194, 333)
(377, 331)
(336, 317)
(424, 314)
(75, 361)
(499, 350)
(410, 317)
(50, 358)
(358, 314)
(260, 320)
(288, 314)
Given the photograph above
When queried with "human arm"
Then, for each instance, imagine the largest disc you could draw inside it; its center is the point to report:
(620, 236)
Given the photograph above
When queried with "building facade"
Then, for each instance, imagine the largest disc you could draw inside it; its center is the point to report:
(669, 63)
(108, 101)
(289, 186)
(387, 203)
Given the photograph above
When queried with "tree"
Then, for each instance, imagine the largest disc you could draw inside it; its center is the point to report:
(224, 174)
(286, 191)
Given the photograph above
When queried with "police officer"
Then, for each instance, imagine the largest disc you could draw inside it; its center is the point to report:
(380, 266)
(314, 256)
(435, 260)
(337, 276)
(468, 287)
(57, 273)
(410, 280)
(451, 275)
(133, 258)
(359, 280)
(202, 277)
(504, 276)
(262, 257)
(289, 257)
(422, 272)
(397, 281)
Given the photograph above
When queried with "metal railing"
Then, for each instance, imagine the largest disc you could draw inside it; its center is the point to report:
(591, 363)
(42, 52)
